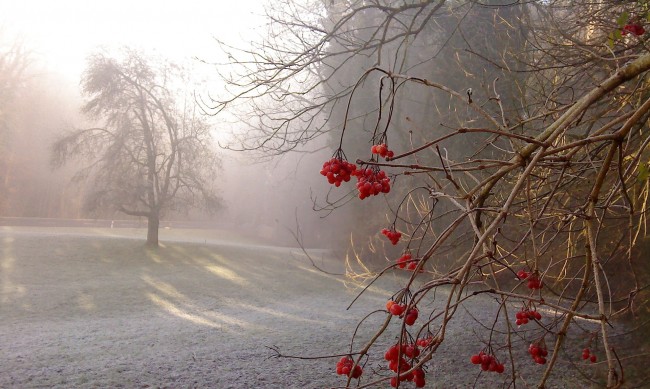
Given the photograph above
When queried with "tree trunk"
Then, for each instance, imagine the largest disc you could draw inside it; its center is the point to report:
(153, 221)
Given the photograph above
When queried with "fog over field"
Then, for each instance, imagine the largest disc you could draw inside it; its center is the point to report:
(259, 197)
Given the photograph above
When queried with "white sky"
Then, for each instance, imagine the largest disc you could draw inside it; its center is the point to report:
(64, 32)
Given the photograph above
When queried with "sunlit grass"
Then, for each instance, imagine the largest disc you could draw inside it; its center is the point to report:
(226, 274)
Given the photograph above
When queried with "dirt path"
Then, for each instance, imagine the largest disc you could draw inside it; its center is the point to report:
(92, 308)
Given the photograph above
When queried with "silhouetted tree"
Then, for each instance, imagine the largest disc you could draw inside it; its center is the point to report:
(153, 153)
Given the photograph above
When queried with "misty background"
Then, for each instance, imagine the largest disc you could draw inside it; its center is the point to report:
(266, 192)
(275, 187)
(45, 46)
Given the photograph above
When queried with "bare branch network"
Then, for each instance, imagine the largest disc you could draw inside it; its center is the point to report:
(510, 142)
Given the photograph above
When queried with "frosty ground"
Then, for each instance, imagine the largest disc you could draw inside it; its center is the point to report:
(95, 308)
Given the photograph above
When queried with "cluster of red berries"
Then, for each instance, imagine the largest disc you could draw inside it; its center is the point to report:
(411, 316)
(533, 280)
(413, 265)
(344, 367)
(398, 362)
(338, 170)
(538, 352)
(417, 376)
(404, 260)
(634, 29)
(586, 354)
(409, 350)
(525, 315)
(424, 342)
(372, 182)
(392, 235)
(396, 309)
(487, 362)
(382, 150)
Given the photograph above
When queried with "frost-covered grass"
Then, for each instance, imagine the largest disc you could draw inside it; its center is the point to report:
(96, 308)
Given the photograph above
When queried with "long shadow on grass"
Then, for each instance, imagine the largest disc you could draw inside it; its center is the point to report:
(237, 288)
(231, 287)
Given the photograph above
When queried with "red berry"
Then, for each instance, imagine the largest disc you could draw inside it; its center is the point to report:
(403, 260)
(392, 353)
(534, 282)
(412, 351)
(593, 358)
(634, 29)
(372, 182)
(396, 309)
(538, 353)
(424, 342)
(337, 170)
(392, 235)
(413, 312)
(487, 362)
(409, 320)
(344, 367)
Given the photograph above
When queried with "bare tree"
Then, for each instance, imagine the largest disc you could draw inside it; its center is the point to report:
(153, 153)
